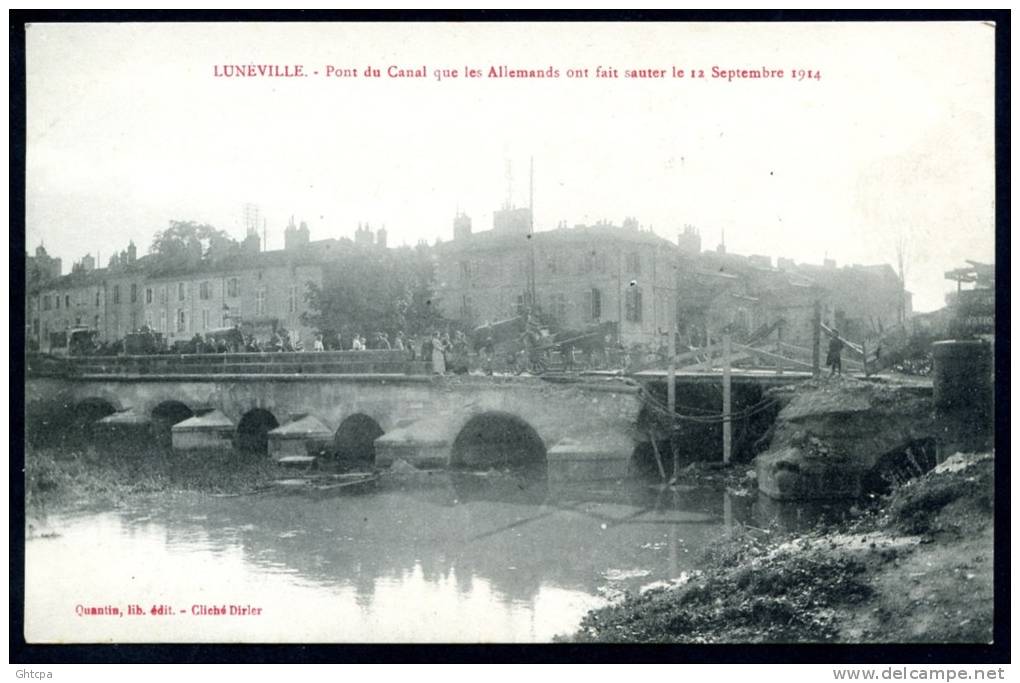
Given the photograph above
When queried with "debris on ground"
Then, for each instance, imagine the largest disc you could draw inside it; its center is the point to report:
(916, 569)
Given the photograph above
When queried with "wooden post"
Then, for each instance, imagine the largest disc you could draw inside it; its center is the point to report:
(708, 340)
(671, 400)
(816, 361)
(658, 458)
(779, 348)
(727, 427)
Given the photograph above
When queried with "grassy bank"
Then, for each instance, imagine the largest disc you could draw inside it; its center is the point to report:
(918, 568)
(68, 476)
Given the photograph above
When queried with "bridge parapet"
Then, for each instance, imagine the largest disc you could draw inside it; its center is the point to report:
(296, 363)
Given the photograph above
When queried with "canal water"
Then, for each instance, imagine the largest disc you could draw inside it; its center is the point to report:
(448, 559)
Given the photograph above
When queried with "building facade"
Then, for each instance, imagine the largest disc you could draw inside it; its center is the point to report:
(647, 285)
(582, 275)
(578, 276)
(263, 289)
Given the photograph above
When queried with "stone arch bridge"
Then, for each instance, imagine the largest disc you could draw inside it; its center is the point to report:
(585, 428)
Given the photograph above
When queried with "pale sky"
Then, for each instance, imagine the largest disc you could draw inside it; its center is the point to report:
(128, 129)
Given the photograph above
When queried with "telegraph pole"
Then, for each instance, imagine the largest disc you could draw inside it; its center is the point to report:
(727, 425)
(531, 231)
(816, 340)
(671, 395)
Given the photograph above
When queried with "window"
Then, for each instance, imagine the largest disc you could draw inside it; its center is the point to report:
(181, 290)
(77, 321)
(205, 318)
(46, 303)
(465, 306)
(292, 299)
(233, 287)
(134, 321)
(95, 322)
(116, 294)
(67, 301)
(260, 301)
(134, 292)
(182, 320)
(148, 319)
(162, 294)
(148, 295)
(593, 304)
(634, 304)
(162, 320)
(465, 271)
(204, 291)
(550, 263)
(98, 294)
(634, 263)
(58, 302)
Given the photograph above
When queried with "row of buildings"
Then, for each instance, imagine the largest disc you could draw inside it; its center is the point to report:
(647, 285)
(578, 275)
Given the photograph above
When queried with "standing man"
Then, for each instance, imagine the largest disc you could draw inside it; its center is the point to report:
(488, 350)
(834, 358)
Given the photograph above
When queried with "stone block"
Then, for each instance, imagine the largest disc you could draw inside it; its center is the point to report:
(211, 431)
(597, 457)
(300, 437)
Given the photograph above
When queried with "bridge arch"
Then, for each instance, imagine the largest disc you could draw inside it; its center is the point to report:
(497, 439)
(86, 412)
(355, 438)
(164, 416)
(253, 430)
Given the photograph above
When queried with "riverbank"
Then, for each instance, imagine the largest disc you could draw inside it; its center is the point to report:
(915, 568)
(59, 478)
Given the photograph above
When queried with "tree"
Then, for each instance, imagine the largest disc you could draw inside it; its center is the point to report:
(369, 291)
(184, 244)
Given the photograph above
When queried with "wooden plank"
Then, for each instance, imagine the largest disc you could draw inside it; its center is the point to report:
(849, 344)
(769, 354)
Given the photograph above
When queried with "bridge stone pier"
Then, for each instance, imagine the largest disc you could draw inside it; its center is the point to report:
(581, 428)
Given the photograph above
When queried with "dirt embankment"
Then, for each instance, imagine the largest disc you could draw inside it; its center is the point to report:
(65, 477)
(832, 434)
(916, 569)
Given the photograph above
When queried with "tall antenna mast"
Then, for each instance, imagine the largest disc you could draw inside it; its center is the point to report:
(531, 227)
(509, 185)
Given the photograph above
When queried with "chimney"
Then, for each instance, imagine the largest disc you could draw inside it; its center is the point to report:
(461, 226)
(689, 241)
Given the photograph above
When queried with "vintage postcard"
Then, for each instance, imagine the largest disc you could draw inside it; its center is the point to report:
(456, 332)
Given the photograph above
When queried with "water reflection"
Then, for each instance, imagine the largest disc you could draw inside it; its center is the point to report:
(464, 559)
